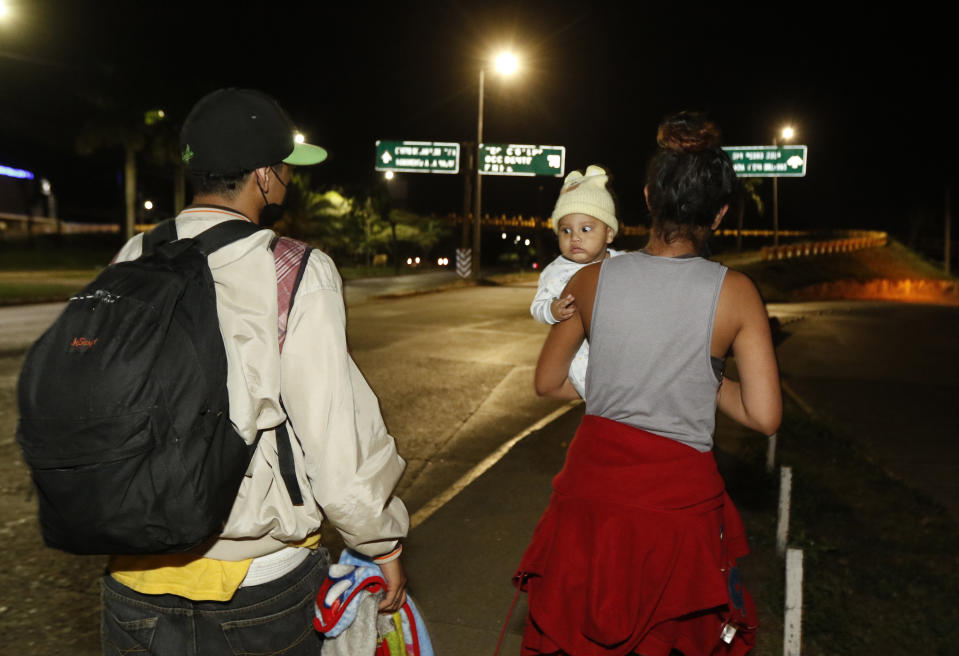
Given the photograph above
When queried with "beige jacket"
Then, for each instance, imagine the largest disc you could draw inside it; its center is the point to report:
(348, 464)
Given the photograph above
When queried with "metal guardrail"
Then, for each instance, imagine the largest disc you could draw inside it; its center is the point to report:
(18, 225)
(854, 241)
(13, 224)
(535, 222)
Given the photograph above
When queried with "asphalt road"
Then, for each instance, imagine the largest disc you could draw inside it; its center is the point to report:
(453, 371)
(20, 325)
(889, 374)
(883, 373)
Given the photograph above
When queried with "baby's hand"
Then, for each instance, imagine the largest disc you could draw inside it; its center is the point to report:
(563, 308)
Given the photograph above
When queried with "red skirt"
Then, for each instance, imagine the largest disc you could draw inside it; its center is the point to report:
(636, 552)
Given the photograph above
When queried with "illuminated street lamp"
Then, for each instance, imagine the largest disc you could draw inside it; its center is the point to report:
(4, 10)
(388, 175)
(785, 135)
(148, 205)
(505, 63)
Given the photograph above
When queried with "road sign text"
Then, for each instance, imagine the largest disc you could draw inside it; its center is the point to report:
(768, 161)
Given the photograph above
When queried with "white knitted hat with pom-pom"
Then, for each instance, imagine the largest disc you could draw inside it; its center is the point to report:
(586, 194)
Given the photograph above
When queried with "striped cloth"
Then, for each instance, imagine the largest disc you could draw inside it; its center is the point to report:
(289, 256)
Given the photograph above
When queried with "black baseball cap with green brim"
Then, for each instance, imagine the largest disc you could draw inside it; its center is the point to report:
(230, 132)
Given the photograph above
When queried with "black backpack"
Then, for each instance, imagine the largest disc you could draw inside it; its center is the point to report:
(124, 412)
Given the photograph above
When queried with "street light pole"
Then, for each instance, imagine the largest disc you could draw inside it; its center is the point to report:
(786, 134)
(505, 64)
(775, 210)
(477, 187)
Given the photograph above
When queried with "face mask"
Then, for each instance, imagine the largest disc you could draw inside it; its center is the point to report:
(271, 212)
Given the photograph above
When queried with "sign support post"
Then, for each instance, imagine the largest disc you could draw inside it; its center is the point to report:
(478, 184)
(769, 162)
(775, 210)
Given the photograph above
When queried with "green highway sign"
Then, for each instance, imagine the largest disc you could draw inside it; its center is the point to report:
(768, 161)
(418, 156)
(518, 159)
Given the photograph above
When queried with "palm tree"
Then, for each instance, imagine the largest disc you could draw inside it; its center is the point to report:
(112, 130)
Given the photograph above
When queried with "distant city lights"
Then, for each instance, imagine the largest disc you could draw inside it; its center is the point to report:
(299, 138)
(504, 235)
(11, 172)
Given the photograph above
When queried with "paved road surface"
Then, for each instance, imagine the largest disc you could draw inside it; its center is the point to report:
(454, 375)
(886, 372)
(889, 372)
(453, 372)
(20, 325)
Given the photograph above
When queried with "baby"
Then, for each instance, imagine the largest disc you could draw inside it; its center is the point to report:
(585, 222)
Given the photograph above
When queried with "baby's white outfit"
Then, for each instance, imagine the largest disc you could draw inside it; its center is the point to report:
(552, 281)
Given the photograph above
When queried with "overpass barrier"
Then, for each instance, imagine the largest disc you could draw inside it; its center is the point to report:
(535, 222)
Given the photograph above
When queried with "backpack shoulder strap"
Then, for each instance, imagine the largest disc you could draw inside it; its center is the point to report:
(224, 233)
(163, 233)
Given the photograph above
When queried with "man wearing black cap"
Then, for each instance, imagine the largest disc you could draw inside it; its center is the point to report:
(252, 591)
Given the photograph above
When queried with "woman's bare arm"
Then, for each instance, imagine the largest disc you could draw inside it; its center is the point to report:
(756, 400)
(552, 369)
(565, 337)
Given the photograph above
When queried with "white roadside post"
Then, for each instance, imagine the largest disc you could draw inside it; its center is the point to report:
(792, 623)
(771, 453)
(785, 492)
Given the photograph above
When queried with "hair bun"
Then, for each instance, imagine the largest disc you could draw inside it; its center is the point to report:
(688, 132)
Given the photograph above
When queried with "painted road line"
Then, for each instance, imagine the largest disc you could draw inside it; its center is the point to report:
(791, 393)
(447, 495)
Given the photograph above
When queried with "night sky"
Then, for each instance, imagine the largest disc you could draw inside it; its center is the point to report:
(871, 92)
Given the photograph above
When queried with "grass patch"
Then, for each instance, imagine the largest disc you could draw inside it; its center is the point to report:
(19, 287)
(69, 252)
(353, 272)
(880, 559)
(514, 278)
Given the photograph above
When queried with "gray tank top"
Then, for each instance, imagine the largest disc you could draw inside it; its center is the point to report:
(649, 346)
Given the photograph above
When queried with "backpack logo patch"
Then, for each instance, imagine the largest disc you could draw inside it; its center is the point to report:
(82, 343)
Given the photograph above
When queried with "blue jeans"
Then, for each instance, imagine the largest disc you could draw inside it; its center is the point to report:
(271, 618)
